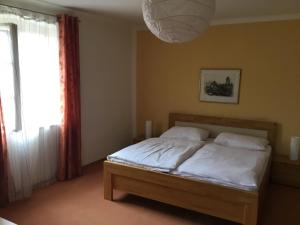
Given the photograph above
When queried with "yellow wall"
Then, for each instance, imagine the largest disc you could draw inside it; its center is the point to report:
(268, 54)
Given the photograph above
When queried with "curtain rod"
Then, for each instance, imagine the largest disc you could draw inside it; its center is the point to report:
(29, 10)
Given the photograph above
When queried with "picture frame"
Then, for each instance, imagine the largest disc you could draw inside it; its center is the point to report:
(220, 85)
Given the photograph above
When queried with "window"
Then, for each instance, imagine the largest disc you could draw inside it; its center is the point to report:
(29, 73)
(9, 78)
(30, 93)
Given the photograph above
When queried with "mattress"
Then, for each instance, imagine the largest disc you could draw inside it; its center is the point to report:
(157, 154)
(232, 167)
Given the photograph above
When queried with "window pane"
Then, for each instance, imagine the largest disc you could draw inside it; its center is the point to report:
(7, 94)
(40, 81)
(7, 78)
(5, 50)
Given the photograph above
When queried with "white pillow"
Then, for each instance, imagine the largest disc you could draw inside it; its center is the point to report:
(187, 133)
(241, 141)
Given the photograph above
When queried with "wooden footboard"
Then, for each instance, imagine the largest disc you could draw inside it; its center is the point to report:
(223, 202)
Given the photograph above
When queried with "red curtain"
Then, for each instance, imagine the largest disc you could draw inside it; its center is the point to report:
(3, 163)
(69, 165)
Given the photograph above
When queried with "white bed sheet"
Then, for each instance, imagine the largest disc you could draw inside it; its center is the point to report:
(158, 154)
(232, 167)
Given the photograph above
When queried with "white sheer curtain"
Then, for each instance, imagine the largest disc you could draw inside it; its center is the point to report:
(32, 149)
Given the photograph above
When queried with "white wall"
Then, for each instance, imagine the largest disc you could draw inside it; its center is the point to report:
(106, 80)
(105, 55)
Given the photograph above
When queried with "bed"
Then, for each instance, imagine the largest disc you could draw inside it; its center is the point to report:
(230, 203)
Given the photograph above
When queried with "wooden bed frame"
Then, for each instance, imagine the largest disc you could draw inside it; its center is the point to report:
(224, 202)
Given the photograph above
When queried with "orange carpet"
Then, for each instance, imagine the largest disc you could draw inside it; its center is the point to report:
(80, 202)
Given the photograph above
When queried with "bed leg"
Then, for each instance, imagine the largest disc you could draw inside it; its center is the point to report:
(251, 214)
(108, 187)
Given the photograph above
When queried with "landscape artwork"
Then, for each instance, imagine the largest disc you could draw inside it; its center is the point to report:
(220, 85)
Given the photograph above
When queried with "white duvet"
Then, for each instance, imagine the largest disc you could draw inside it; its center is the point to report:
(229, 166)
(159, 154)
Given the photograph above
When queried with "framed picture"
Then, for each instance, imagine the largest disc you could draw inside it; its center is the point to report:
(220, 85)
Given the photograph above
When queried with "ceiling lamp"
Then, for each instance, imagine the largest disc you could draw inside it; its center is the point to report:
(177, 21)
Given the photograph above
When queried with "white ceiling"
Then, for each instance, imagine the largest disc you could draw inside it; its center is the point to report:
(226, 9)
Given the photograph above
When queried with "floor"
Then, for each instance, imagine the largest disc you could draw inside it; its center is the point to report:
(80, 202)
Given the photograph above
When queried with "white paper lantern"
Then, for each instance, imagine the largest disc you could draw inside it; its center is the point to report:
(177, 21)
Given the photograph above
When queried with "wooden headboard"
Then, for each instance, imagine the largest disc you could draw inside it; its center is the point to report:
(269, 127)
